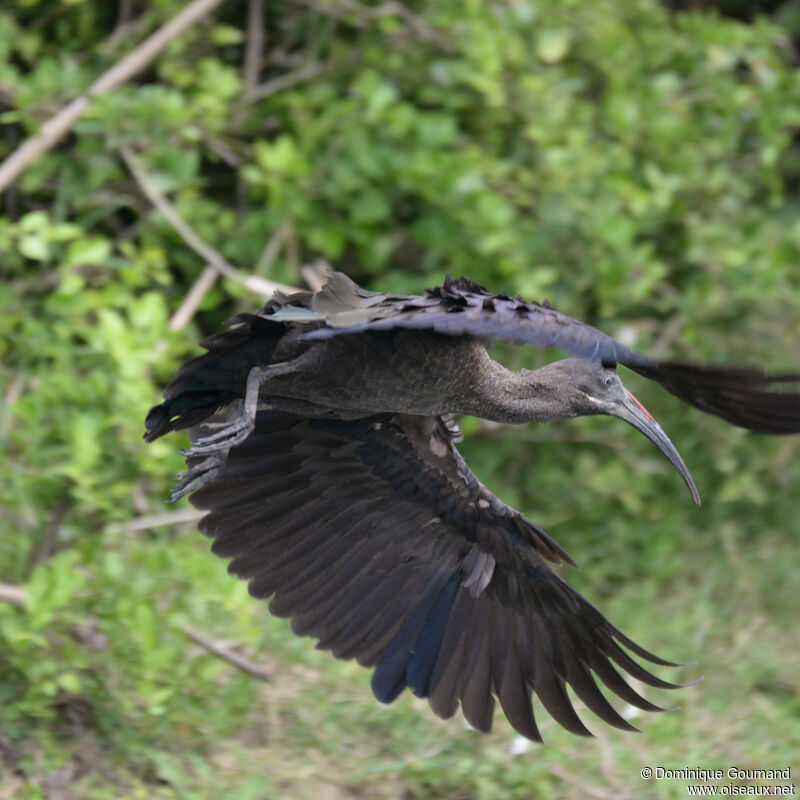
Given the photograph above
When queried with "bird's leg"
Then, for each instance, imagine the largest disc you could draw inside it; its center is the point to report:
(205, 470)
(241, 422)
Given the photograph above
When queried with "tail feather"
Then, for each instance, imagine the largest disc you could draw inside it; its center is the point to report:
(208, 383)
(184, 411)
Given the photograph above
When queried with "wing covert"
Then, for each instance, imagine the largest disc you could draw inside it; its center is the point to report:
(462, 307)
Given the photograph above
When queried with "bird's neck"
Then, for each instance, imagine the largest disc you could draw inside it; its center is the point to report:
(530, 395)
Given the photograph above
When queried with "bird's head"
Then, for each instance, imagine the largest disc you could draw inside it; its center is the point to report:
(598, 389)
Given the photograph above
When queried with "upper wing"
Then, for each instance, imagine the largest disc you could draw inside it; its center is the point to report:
(459, 307)
(376, 538)
(743, 396)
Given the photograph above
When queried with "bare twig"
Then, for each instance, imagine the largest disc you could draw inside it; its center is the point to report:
(415, 22)
(292, 247)
(8, 93)
(352, 13)
(220, 148)
(216, 260)
(124, 17)
(359, 16)
(15, 390)
(608, 765)
(302, 74)
(156, 520)
(254, 47)
(57, 126)
(583, 788)
(12, 594)
(271, 248)
(224, 652)
(189, 305)
(278, 56)
(122, 31)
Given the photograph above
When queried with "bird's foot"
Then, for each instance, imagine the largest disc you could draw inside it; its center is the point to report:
(198, 475)
(230, 433)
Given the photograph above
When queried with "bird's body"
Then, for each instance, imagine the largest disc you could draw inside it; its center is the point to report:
(408, 372)
(336, 487)
(384, 372)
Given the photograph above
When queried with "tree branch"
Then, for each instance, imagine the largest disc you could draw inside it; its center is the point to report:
(238, 661)
(272, 248)
(12, 594)
(359, 16)
(52, 131)
(254, 47)
(124, 17)
(189, 305)
(215, 260)
(156, 521)
(286, 81)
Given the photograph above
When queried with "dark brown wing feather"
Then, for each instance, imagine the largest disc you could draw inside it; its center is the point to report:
(743, 396)
(376, 538)
(461, 307)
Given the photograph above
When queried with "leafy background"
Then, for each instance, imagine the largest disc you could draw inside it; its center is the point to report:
(636, 163)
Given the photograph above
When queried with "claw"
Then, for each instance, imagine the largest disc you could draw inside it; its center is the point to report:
(227, 431)
(198, 475)
(225, 439)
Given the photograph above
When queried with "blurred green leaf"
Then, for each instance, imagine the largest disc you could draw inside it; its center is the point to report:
(93, 250)
(34, 247)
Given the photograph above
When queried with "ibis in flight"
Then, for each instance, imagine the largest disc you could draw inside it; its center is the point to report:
(334, 485)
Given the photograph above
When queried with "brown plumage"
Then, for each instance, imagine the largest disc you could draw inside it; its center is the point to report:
(335, 487)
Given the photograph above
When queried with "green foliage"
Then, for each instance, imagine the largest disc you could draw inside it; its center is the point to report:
(637, 168)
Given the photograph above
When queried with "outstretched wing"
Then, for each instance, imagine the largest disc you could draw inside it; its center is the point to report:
(743, 396)
(458, 307)
(375, 537)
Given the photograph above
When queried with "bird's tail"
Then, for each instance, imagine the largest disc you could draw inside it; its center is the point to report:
(744, 396)
(186, 409)
(204, 385)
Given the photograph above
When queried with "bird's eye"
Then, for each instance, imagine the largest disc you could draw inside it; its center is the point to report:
(608, 380)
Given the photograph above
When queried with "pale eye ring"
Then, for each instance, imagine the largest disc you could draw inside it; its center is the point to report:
(608, 380)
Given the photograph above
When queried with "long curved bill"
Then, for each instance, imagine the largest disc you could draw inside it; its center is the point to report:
(634, 413)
